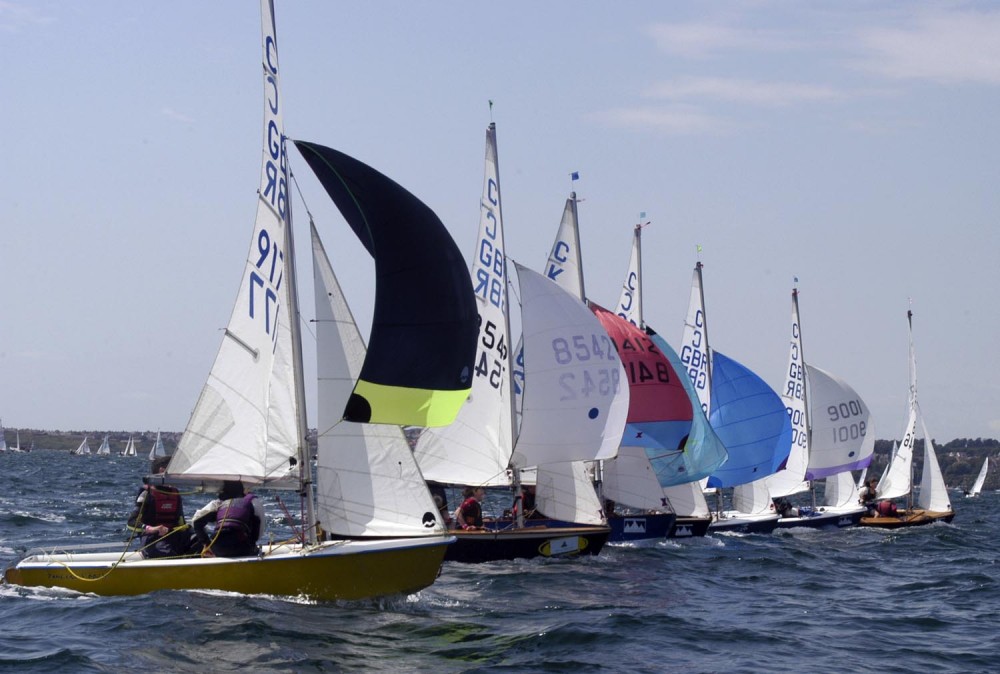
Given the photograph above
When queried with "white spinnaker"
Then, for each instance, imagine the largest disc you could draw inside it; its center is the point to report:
(933, 491)
(245, 422)
(475, 449)
(629, 479)
(791, 479)
(565, 491)
(367, 481)
(896, 480)
(576, 399)
(842, 432)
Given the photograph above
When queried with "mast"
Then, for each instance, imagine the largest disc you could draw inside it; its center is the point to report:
(515, 471)
(579, 255)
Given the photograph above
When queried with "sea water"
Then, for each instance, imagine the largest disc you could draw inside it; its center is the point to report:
(849, 600)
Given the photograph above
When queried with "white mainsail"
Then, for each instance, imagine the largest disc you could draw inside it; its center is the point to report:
(105, 448)
(630, 300)
(791, 480)
(476, 448)
(248, 423)
(129, 447)
(368, 483)
(897, 477)
(84, 448)
(977, 486)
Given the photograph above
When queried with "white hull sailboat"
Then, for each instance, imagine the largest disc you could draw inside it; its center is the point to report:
(157, 450)
(249, 423)
(105, 448)
(832, 433)
(932, 504)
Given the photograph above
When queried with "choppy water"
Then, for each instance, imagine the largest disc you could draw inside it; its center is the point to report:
(847, 600)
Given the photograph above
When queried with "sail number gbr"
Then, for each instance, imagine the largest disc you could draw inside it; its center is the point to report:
(591, 348)
(265, 282)
(847, 425)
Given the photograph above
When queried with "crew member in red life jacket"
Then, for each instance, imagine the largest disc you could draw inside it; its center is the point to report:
(470, 514)
(158, 518)
(238, 519)
(886, 509)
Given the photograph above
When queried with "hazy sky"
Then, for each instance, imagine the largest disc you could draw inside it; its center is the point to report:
(851, 145)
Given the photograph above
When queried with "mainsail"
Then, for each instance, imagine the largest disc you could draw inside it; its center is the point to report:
(249, 421)
(476, 448)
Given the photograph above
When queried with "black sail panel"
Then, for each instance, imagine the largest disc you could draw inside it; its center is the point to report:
(421, 352)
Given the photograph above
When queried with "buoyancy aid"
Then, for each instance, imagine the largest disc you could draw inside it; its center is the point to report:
(162, 506)
(472, 512)
(237, 517)
(886, 509)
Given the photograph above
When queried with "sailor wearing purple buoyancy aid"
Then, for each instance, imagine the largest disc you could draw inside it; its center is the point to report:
(238, 519)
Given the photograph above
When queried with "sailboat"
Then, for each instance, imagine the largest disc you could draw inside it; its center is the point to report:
(677, 492)
(3, 438)
(249, 422)
(897, 480)
(105, 448)
(561, 419)
(17, 446)
(157, 450)
(129, 447)
(747, 415)
(83, 448)
(977, 486)
(667, 436)
(832, 433)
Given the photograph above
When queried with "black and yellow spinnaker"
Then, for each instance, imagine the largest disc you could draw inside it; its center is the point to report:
(422, 348)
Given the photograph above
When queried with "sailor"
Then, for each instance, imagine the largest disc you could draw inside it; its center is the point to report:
(158, 518)
(470, 514)
(238, 519)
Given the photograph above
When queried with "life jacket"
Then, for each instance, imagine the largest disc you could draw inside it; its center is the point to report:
(886, 509)
(472, 512)
(162, 506)
(237, 516)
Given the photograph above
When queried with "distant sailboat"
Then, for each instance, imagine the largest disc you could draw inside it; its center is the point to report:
(977, 486)
(105, 448)
(129, 447)
(897, 480)
(3, 438)
(158, 449)
(84, 448)
(17, 447)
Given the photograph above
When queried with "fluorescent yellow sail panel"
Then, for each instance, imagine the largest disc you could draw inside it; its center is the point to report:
(404, 406)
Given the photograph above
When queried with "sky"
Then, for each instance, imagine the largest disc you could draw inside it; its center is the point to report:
(850, 145)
